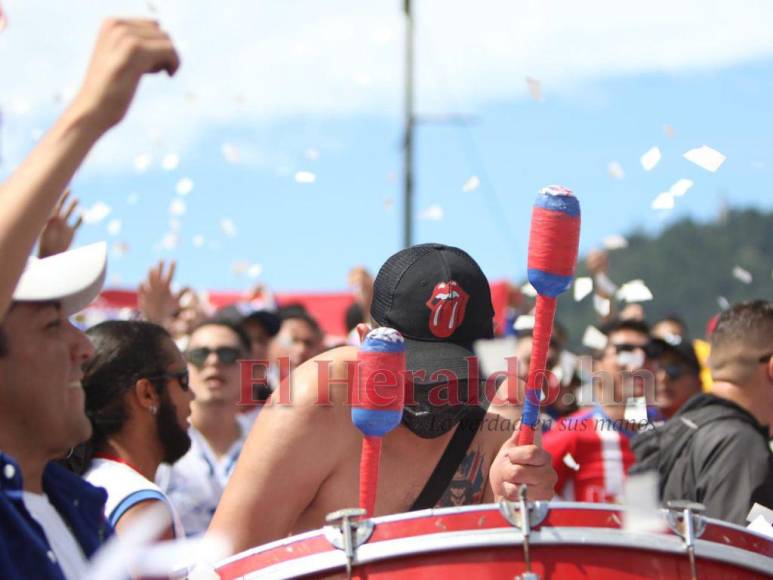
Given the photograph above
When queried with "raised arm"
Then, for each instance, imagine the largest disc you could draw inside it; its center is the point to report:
(124, 52)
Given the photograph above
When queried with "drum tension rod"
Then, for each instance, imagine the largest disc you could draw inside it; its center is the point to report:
(347, 533)
(685, 520)
(528, 515)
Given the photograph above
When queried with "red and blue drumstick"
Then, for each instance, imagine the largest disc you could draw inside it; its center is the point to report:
(553, 244)
(377, 406)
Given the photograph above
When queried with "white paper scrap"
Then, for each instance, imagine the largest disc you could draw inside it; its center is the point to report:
(705, 157)
(742, 275)
(594, 339)
(651, 158)
(663, 201)
(634, 291)
(582, 287)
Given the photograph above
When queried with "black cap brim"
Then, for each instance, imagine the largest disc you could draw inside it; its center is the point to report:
(441, 359)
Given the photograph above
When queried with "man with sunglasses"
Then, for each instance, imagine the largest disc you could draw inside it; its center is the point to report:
(679, 374)
(217, 428)
(590, 448)
(715, 450)
(138, 402)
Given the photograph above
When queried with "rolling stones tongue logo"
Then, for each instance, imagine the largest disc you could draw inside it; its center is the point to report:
(447, 303)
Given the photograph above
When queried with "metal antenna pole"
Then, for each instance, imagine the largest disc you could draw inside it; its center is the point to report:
(409, 122)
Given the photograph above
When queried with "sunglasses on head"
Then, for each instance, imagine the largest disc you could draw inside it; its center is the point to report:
(651, 349)
(181, 377)
(226, 355)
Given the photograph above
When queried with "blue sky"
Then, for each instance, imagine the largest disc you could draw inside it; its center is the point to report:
(296, 93)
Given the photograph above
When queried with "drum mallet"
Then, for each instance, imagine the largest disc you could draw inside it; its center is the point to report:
(377, 404)
(553, 244)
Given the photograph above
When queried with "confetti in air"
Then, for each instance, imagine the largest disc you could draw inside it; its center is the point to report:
(723, 303)
(389, 203)
(177, 207)
(96, 213)
(133, 198)
(305, 177)
(669, 131)
(528, 290)
(184, 186)
(601, 305)
(228, 227)
(471, 184)
(142, 162)
(169, 241)
(535, 88)
(742, 275)
(239, 267)
(706, 158)
(663, 201)
(615, 242)
(681, 187)
(594, 339)
(198, 241)
(311, 154)
(433, 213)
(523, 322)
(170, 162)
(650, 159)
(582, 287)
(634, 291)
(114, 227)
(642, 500)
(615, 170)
(120, 249)
(231, 153)
(255, 271)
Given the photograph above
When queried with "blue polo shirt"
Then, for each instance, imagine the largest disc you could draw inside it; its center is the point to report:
(24, 549)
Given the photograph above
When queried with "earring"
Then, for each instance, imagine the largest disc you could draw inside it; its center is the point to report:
(154, 410)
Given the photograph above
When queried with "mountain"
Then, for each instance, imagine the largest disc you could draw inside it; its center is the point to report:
(689, 269)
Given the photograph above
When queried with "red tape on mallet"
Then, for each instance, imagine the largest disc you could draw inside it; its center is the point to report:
(553, 243)
(377, 406)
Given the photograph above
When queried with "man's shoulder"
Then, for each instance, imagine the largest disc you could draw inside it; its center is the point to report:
(60, 480)
(320, 381)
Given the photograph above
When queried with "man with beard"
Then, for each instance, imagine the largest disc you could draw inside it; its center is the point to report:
(301, 458)
(138, 401)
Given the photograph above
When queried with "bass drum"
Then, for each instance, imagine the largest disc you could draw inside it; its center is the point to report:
(563, 540)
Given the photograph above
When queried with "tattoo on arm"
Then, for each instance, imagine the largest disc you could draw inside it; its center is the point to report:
(466, 488)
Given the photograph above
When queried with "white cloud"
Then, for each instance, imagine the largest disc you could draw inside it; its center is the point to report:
(261, 62)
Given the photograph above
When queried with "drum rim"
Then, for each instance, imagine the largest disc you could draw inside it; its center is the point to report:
(510, 537)
(707, 551)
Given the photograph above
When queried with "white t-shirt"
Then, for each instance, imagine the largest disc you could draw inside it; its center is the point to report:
(195, 483)
(126, 488)
(64, 547)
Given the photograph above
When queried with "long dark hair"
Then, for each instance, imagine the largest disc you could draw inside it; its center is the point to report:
(125, 352)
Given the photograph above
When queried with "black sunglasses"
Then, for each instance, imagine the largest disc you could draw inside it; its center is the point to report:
(673, 372)
(652, 349)
(226, 355)
(181, 377)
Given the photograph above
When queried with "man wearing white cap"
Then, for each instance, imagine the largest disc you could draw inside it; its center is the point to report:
(51, 521)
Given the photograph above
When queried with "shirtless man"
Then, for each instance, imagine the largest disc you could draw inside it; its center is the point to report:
(301, 459)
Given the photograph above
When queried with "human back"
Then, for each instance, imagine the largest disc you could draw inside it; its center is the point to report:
(301, 459)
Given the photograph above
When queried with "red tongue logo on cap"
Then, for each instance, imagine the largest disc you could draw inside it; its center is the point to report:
(447, 303)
